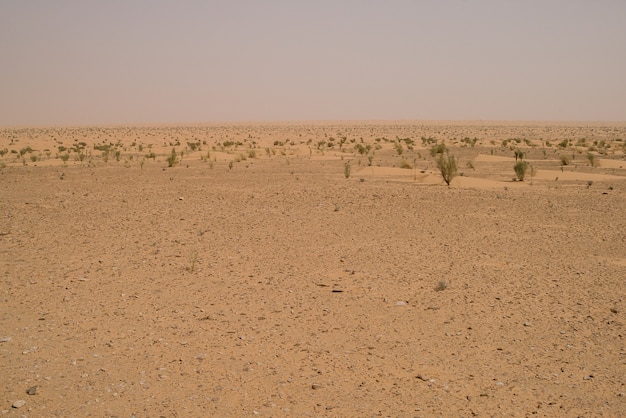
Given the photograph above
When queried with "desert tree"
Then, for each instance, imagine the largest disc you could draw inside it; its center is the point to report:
(447, 167)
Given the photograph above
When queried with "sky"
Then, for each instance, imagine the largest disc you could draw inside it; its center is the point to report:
(79, 62)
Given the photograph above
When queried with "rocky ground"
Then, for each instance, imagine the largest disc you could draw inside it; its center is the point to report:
(275, 283)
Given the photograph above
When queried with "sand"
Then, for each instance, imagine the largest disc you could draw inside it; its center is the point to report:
(279, 287)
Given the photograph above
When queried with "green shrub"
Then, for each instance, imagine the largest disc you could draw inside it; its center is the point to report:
(438, 149)
(171, 160)
(447, 167)
(520, 168)
(592, 159)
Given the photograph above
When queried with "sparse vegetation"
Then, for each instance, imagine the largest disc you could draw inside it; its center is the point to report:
(520, 168)
(398, 147)
(171, 160)
(441, 286)
(405, 164)
(447, 167)
(438, 149)
(593, 161)
(346, 169)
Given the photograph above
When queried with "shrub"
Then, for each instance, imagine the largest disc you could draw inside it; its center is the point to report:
(520, 168)
(565, 159)
(447, 167)
(25, 151)
(363, 149)
(441, 286)
(405, 164)
(438, 149)
(592, 160)
(171, 160)
(346, 169)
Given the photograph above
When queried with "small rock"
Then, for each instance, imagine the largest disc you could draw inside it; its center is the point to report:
(316, 386)
(18, 404)
(32, 390)
(5, 339)
(400, 303)
(526, 324)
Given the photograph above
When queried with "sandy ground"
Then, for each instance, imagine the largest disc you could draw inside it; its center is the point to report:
(257, 280)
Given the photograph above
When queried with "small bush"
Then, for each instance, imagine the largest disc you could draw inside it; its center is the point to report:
(171, 160)
(520, 168)
(405, 164)
(442, 285)
(346, 169)
(438, 149)
(592, 160)
(447, 167)
(565, 159)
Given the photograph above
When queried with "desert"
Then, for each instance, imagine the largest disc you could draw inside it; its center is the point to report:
(313, 269)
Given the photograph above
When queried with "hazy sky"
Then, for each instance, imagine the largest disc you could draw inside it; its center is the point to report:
(150, 61)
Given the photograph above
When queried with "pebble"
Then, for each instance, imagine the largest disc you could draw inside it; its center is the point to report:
(18, 404)
(316, 386)
(5, 339)
(32, 390)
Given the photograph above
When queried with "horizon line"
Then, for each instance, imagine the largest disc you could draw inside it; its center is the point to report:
(312, 122)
